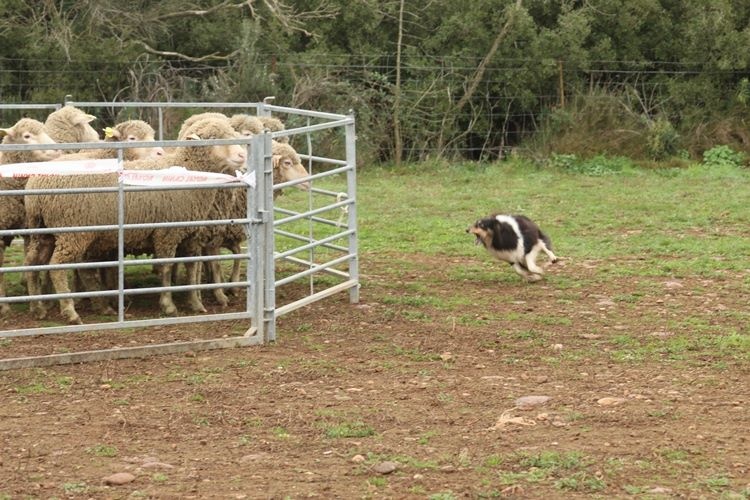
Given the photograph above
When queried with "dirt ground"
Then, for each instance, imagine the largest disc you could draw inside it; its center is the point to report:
(412, 393)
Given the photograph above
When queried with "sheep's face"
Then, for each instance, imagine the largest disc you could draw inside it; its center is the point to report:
(143, 153)
(287, 169)
(28, 131)
(134, 131)
(230, 157)
(234, 156)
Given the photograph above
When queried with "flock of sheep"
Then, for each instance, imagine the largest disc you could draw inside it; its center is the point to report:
(72, 125)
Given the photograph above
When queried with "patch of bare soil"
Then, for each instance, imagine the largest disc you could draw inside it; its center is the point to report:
(416, 392)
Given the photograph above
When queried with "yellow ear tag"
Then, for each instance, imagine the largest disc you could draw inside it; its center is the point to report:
(109, 132)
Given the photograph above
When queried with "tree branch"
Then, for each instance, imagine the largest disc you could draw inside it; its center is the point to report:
(483, 65)
(200, 13)
(209, 57)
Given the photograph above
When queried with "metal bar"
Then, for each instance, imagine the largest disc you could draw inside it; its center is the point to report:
(126, 263)
(28, 106)
(129, 352)
(305, 215)
(54, 330)
(94, 104)
(115, 227)
(310, 128)
(297, 237)
(307, 263)
(287, 308)
(351, 189)
(313, 244)
(314, 219)
(327, 173)
(120, 241)
(124, 145)
(124, 291)
(321, 159)
(269, 301)
(314, 269)
(305, 112)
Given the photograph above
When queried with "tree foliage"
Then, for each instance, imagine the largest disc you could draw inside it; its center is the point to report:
(473, 79)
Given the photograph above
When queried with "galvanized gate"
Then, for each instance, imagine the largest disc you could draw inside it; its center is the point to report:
(314, 251)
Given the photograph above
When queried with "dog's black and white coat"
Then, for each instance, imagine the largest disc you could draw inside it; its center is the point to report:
(514, 239)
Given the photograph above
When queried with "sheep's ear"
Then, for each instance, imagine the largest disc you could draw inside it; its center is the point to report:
(5, 131)
(193, 137)
(276, 160)
(83, 119)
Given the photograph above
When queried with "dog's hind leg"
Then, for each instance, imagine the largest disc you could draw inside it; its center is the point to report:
(524, 273)
(552, 256)
(531, 257)
(546, 245)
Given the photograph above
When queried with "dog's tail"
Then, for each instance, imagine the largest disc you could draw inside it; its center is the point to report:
(548, 244)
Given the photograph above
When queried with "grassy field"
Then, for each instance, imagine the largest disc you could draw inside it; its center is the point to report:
(639, 337)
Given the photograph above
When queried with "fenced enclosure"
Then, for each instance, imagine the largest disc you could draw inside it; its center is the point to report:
(307, 247)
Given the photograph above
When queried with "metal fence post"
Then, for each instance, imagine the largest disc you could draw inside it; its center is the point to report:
(351, 183)
(269, 272)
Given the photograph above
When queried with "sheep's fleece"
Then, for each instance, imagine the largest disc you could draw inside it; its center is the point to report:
(91, 209)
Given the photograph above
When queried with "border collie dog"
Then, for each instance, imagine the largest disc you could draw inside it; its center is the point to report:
(514, 239)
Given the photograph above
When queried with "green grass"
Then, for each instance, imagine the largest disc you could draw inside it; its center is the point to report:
(348, 430)
(637, 212)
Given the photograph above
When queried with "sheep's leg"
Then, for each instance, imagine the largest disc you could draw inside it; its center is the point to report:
(194, 298)
(108, 278)
(90, 282)
(236, 269)
(165, 299)
(4, 308)
(68, 249)
(67, 306)
(217, 276)
(36, 254)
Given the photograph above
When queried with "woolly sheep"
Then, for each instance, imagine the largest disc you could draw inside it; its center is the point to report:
(127, 131)
(232, 204)
(274, 125)
(194, 118)
(250, 125)
(70, 124)
(247, 125)
(12, 213)
(91, 209)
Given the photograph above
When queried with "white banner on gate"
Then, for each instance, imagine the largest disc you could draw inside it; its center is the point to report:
(62, 167)
(172, 176)
(180, 176)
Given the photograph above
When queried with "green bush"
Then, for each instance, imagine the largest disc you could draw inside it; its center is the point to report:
(596, 166)
(723, 156)
(662, 139)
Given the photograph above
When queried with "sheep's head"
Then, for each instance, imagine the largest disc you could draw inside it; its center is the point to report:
(134, 131)
(182, 134)
(219, 158)
(70, 124)
(29, 131)
(287, 165)
(246, 125)
(274, 125)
